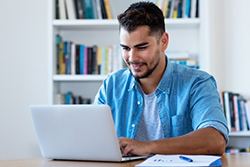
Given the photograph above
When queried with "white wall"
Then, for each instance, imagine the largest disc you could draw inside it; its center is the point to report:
(23, 74)
(230, 45)
(24, 70)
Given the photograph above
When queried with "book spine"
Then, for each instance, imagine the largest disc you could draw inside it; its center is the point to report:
(77, 60)
(104, 13)
(73, 59)
(85, 61)
(88, 9)
(70, 6)
(106, 4)
(81, 59)
(62, 10)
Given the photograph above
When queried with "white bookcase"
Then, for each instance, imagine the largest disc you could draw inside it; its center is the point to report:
(188, 35)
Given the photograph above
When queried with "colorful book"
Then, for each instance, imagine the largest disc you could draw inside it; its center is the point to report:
(107, 8)
(85, 60)
(81, 59)
(88, 9)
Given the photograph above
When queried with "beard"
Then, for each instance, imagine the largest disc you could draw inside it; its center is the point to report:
(149, 67)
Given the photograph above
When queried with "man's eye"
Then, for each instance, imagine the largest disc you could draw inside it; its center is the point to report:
(125, 48)
(141, 48)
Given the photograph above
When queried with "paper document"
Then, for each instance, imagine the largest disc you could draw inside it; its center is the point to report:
(182, 160)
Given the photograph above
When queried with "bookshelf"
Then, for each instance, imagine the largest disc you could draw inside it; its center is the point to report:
(190, 35)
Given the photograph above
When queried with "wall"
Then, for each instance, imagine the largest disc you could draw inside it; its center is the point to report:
(23, 74)
(24, 70)
(229, 42)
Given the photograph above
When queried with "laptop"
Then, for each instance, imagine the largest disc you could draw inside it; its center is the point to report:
(77, 132)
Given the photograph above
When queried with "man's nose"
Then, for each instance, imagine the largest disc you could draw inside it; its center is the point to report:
(133, 56)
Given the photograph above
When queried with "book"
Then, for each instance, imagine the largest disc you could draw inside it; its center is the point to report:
(104, 13)
(73, 59)
(232, 114)
(187, 10)
(57, 9)
(193, 8)
(94, 59)
(99, 59)
(71, 11)
(169, 9)
(247, 110)
(62, 10)
(77, 59)
(90, 60)
(85, 60)
(88, 9)
(94, 7)
(227, 109)
(61, 62)
(244, 121)
(107, 8)
(98, 9)
(81, 58)
(165, 8)
(222, 101)
(79, 9)
(236, 112)
(171, 15)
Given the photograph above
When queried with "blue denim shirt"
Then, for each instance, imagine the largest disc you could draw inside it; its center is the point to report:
(187, 100)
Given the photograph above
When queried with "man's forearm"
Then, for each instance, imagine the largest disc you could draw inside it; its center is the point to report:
(202, 141)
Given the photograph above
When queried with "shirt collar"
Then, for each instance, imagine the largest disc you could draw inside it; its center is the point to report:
(165, 81)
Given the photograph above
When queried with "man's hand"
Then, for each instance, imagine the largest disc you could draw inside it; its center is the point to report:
(134, 147)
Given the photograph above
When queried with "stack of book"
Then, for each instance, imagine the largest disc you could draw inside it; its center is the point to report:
(100, 9)
(236, 110)
(237, 150)
(83, 9)
(70, 98)
(79, 59)
(182, 58)
(179, 8)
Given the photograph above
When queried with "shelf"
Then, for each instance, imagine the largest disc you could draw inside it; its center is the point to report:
(240, 134)
(71, 78)
(113, 24)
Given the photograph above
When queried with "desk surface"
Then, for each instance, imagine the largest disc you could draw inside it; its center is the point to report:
(228, 160)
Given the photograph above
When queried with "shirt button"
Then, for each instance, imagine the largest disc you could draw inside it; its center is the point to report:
(138, 103)
(133, 125)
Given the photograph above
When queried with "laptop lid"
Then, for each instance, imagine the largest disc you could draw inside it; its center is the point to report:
(76, 132)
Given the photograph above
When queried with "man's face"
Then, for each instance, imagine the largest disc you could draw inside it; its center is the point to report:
(140, 51)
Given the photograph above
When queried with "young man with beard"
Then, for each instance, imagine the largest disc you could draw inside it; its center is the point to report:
(159, 107)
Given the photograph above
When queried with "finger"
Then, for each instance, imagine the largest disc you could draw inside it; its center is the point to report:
(127, 150)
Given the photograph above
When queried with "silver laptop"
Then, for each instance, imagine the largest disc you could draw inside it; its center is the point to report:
(76, 132)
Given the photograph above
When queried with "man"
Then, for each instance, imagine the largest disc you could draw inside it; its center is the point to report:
(159, 107)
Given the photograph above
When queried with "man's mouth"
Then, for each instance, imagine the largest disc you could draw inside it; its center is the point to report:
(136, 65)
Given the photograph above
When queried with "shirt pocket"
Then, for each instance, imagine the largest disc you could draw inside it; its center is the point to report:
(180, 125)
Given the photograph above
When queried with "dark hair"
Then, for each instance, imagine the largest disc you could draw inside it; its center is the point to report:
(143, 14)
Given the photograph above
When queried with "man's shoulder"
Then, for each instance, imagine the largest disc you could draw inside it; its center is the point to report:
(188, 72)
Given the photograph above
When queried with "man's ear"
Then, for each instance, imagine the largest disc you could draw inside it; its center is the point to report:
(164, 41)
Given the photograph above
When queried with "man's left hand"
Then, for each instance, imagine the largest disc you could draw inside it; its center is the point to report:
(132, 147)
